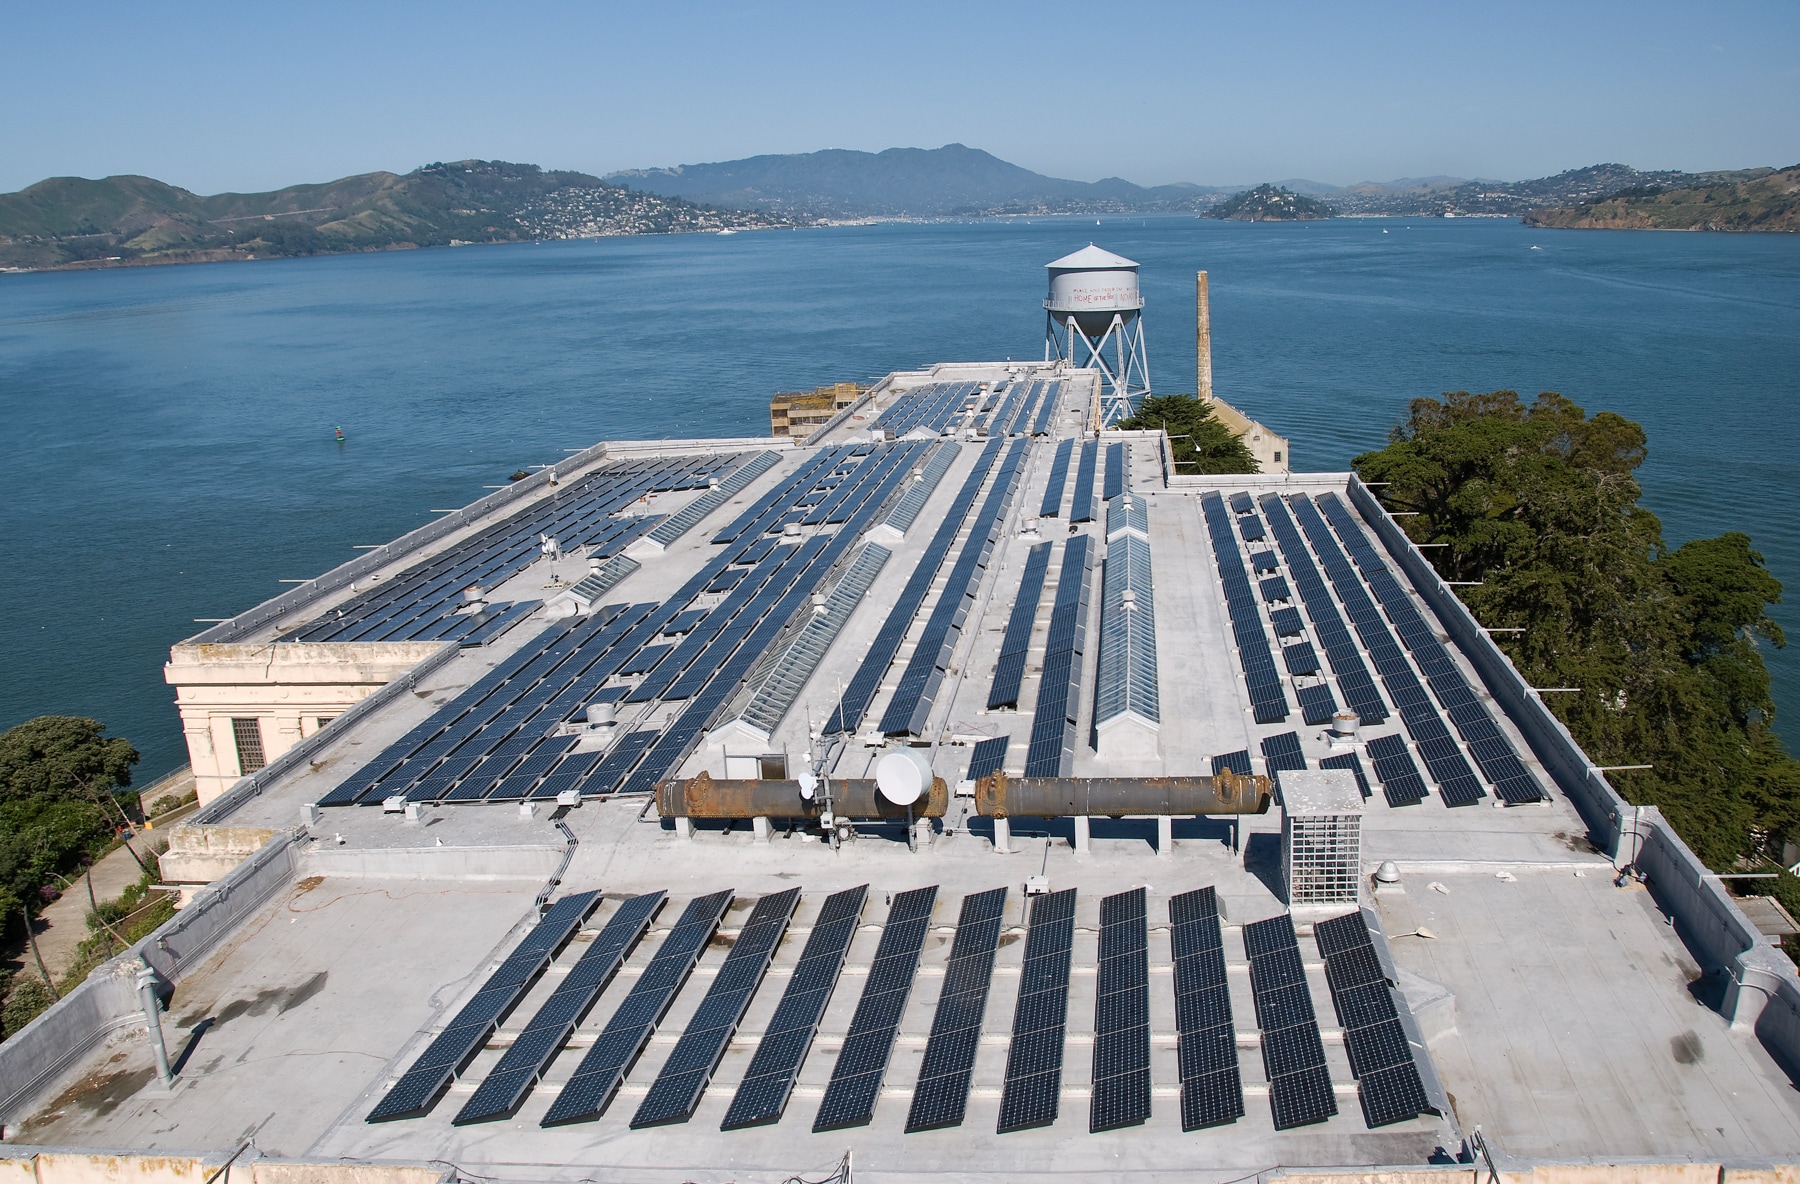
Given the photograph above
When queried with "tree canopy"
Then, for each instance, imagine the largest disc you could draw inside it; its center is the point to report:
(57, 777)
(1538, 502)
(1199, 442)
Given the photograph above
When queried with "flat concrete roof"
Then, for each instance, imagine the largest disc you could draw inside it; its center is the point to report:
(1561, 1013)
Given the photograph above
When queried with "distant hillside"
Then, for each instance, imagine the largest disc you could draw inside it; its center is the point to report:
(1437, 197)
(73, 222)
(1270, 203)
(901, 182)
(1761, 200)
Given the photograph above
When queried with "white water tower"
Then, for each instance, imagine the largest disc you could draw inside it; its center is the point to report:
(1093, 320)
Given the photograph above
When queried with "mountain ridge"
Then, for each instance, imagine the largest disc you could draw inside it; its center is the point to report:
(76, 222)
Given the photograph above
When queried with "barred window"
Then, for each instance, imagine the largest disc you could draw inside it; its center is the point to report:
(248, 734)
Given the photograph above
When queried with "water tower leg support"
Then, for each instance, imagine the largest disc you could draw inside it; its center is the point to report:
(1002, 836)
(760, 824)
(684, 828)
(1165, 835)
(1081, 834)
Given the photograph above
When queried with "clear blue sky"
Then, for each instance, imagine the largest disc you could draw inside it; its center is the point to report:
(254, 96)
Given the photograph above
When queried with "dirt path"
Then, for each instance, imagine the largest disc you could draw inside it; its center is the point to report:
(62, 926)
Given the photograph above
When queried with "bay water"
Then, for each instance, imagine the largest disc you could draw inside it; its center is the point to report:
(170, 449)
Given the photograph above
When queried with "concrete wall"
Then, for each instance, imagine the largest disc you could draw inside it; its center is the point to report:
(292, 689)
(36, 1057)
(1760, 984)
(251, 786)
(25, 1165)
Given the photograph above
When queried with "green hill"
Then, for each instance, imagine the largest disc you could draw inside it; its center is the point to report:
(1270, 203)
(74, 222)
(1756, 199)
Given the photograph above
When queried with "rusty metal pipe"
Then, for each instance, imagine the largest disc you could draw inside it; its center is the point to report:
(702, 796)
(1000, 796)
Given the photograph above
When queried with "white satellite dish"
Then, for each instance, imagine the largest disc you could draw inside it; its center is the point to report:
(902, 776)
(808, 783)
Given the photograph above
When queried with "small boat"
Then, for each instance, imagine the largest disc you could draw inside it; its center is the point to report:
(726, 230)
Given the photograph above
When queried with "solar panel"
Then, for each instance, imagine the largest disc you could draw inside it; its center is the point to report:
(942, 1093)
(605, 1064)
(1121, 1073)
(989, 756)
(906, 510)
(524, 1062)
(1399, 777)
(1355, 967)
(1359, 1007)
(763, 1093)
(1241, 504)
(1116, 463)
(1051, 750)
(1250, 529)
(1287, 622)
(1238, 762)
(1299, 1099)
(1009, 672)
(1033, 1083)
(1081, 509)
(453, 1048)
(1268, 701)
(1282, 753)
(1338, 934)
(860, 690)
(1317, 704)
(1059, 476)
(1300, 658)
(1274, 589)
(1392, 1095)
(862, 1062)
(916, 689)
(1263, 561)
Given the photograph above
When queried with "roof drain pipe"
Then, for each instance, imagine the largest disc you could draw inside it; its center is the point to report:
(569, 845)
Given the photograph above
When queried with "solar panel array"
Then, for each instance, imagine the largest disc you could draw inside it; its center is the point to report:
(862, 1061)
(713, 682)
(1051, 752)
(524, 1061)
(906, 510)
(677, 1088)
(1009, 671)
(1381, 1057)
(1116, 480)
(931, 406)
(1033, 1086)
(942, 1093)
(1498, 759)
(1121, 1075)
(1081, 509)
(1047, 408)
(1346, 660)
(458, 1043)
(770, 702)
(1238, 762)
(763, 1094)
(617, 1047)
(423, 602)
(1127, 680)
(1293, 1054)
(1206, 1038)
(689, 516)
(1394, 768)
(1268, 701)
(1059, 476)
(860, 690)
(916, 691)
(496, 740)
